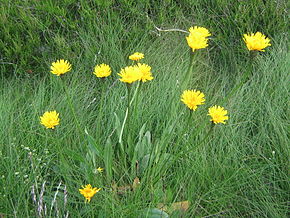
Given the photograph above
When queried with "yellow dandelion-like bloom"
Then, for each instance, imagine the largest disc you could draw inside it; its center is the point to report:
(50, 119)
(102, 70)
(218, 114)
(130, 74)
(145, 71)
(192, 99)
(201, 31)
(88, 192)
(100, 170)
(256, 42)
(197, 38)
(60, 67)
(136, 56)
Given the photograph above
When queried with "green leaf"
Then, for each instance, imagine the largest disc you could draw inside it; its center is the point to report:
(141, 132)
(153, 213)
(74, 155)
(93, 146)
(108, 158)
(118, 126)
(143, 146)
(143, 164)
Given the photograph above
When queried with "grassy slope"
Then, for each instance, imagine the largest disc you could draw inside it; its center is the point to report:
(235, 173)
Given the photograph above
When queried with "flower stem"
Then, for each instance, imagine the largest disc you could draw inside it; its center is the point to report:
(136, 93)
(189, 118)
(186, 80)
(244, 77)
(69, 101)
(128, 106)
(126, 118)
(206, 136)
(136, 96)
(102, 99)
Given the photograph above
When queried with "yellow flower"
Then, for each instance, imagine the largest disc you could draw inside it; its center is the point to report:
(201, 31)
(218, 114)
(136, 56)
(102, 70)
(88, 192)
(192, 98)
(145, 72)
(197, 38)
(256, 42)
(60, 67)
(50, 119)
(130, 74)
(100, 170)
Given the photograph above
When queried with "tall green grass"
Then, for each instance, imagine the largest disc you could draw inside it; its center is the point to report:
(241, 170)
(34, 31)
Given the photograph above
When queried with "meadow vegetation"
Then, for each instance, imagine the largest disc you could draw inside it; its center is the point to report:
(165, 154)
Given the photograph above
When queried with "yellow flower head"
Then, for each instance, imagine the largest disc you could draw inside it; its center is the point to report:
(136, 56)
(50, 119)
(130, 74)
(192, 98)
(197, 38)
(60, 67)
(145, 71)
(256, 42)
(102, 70)
(88, 192)
(100, 170)
(200, 31)
(218, 114)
